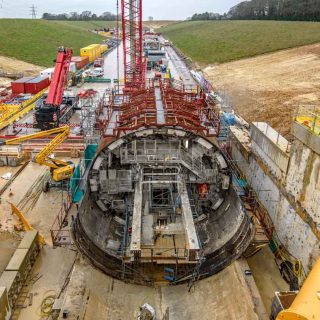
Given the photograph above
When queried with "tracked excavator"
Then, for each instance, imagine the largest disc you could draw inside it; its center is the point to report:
(61, 171)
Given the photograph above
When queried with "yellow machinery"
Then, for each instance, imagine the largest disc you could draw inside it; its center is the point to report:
(306, 306)
(60, 170)
(92, 51)
(11, 113)
(26, 225)
(312, 123)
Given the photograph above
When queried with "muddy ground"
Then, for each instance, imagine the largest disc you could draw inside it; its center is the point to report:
(270, 87)
(158, 24)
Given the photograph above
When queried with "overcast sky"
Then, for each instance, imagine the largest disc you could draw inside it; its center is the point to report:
(159, 9)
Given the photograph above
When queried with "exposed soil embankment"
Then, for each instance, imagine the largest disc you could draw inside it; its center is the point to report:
(14, 66)
(270, 87)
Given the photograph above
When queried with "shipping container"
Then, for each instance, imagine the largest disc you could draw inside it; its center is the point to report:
(35, 85)
(73, 67)
(104, 48)
(18, 86)
(81, 62)
(92, 51)
(47, 73)
(88, 52)
(97, 50)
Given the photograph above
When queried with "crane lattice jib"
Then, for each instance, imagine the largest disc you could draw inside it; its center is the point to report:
(132, 43)
(60, 77)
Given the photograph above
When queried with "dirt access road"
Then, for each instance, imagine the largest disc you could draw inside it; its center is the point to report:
(270, 87)
(157, 24)
(16, 66)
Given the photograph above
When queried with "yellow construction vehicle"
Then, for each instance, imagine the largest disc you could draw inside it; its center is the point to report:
(61, 171)
(26, 225)
(304, 305)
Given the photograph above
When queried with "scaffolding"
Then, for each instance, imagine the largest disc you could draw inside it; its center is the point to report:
(134, 63)
(88, 118)
(172, 151)
(166, 105)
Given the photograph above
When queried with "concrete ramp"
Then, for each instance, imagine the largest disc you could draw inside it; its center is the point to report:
(226, 295)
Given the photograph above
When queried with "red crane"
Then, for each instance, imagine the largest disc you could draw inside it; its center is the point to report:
(134, 63)
(56, 109)
(60, 77)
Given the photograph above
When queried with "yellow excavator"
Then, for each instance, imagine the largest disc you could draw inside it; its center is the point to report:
(61, 171)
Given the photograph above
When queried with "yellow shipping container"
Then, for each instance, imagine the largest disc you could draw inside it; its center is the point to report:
(93, 51)
(88, 52)
(104, 48)
(97, 50)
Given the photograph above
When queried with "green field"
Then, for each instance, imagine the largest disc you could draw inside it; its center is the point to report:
(36, 41)
(207, 42)
(86, 25)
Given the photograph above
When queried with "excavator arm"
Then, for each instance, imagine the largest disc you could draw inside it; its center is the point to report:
(61, 170)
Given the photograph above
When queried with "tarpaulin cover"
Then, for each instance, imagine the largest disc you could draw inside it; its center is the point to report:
(77, 188)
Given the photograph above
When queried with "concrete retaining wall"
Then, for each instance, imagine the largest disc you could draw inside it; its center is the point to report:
(303, 179)
(5, 309)
(288, 185)
(271, 147)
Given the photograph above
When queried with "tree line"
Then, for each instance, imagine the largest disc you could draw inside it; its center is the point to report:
(307, 10)
(207, 16)
(304, 10)
(83, 16)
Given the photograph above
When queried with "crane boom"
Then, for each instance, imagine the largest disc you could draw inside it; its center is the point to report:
(60, 77)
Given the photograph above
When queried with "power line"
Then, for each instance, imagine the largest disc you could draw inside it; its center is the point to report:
(33, 12)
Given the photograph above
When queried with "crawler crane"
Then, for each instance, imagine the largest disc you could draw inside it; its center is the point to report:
(56, 108)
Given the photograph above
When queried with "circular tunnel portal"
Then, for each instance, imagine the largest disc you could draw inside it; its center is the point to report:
(160, 206)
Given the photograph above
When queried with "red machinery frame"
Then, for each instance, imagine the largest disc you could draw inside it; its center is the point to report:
(134, 63)
(182, 109)
(60, 77)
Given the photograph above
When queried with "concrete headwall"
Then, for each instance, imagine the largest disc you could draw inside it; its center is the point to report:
(296, 234)
(303, 180)
(288, 185)
(271, 147)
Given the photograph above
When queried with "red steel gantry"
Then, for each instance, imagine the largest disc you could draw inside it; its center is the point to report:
(134, 64)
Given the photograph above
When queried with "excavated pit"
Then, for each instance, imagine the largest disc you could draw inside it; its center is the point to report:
(160, 206)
